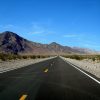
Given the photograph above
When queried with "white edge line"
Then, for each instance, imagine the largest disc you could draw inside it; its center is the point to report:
(83, 72)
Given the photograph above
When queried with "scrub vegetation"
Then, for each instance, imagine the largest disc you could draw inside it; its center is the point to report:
(81, 57)
(5, 57)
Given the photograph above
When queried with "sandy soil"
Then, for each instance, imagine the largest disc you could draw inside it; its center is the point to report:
(14, 64)
(87, 64)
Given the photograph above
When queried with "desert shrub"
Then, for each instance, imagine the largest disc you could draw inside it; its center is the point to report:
(10, 57)
(43, 56)
(19, 57)
(38, 56)
(77, 57)
(33, 57)
(98, 57)
(93, 59)
(5, 57)
(24, 57)
(2, 57)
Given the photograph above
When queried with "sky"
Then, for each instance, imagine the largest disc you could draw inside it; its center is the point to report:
(74, 23)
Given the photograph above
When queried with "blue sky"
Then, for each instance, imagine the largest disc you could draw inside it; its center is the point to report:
(68, 22)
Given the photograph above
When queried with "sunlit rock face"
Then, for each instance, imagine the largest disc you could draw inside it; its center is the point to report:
(12, 43)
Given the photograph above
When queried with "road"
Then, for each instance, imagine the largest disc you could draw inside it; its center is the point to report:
(53, 79)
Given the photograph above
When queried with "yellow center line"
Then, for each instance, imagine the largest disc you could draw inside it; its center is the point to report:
(51, 64)
(23, 97)
(46, 70)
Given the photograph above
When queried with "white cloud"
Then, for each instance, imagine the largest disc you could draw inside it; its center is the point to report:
(37, 29)
(91, 45)
(40, 29)
(8, 26)
(37, 32)
(70, 35)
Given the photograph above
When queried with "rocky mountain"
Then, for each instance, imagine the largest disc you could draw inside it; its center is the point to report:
(85, 50)
(12, 43)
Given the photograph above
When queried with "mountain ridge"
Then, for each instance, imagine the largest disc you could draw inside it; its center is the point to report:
(10, 42)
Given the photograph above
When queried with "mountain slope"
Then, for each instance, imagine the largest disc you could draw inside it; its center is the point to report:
(12, 43)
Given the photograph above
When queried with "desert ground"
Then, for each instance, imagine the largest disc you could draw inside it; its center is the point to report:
(14, 64)
(88, 65)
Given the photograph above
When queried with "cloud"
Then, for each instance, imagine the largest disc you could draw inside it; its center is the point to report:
(40, 29)
(8, 26)
(70, 35)
(92, 45)
(37, 32)
(37, 29)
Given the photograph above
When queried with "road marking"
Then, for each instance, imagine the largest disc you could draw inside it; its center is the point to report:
(6, 70)
(23, 97)
(51, 64)
(46, 70)
(83, 72)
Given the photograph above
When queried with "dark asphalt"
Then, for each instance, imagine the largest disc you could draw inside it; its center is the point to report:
(53, 79)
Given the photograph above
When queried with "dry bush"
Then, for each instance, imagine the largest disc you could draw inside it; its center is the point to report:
(5, 57)
(81, 57)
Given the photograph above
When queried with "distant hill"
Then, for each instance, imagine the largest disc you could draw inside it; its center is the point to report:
(12, 43)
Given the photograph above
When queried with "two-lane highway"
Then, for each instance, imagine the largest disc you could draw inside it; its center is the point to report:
(53, 79)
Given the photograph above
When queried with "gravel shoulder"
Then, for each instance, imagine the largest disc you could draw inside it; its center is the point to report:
(15, 64)
(88, 65)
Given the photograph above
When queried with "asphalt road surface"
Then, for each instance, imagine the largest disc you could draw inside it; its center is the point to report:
(53, 79)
